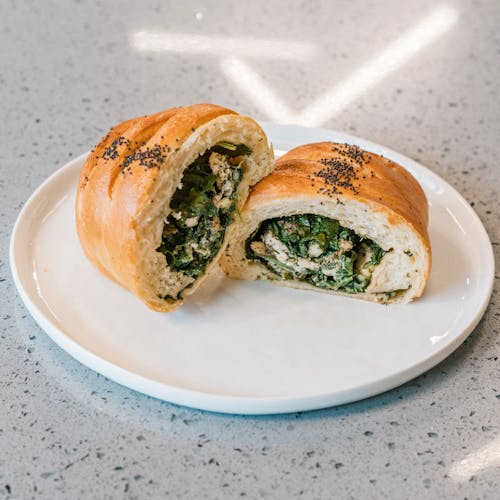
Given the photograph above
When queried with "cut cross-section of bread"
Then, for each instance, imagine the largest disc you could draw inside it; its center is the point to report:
(335, 218)
(158, 196)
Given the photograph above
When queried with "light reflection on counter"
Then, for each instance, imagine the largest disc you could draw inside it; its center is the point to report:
(261, 94)
(487, 456)
(217, 45)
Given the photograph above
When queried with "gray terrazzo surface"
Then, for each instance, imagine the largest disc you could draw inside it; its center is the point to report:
(70, 70)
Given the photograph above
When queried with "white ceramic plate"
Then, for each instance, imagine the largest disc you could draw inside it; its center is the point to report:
(252, 348)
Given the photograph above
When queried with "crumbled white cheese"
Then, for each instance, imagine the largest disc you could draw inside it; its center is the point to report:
(201, 249)
(280, 250)
(345, 246)
(223, 172)
(314, 249)
(364, 256)
(290, 226)
(222, 202)
(192, 221)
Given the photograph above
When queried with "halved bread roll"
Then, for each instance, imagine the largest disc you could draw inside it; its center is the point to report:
(157, 198)
(335, 218)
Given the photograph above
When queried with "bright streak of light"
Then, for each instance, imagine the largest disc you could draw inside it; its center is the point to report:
(378, 68)
(257, 90)
(485, 457)
(338, 98)
(456, 221)
(436, 338)
(216, 45)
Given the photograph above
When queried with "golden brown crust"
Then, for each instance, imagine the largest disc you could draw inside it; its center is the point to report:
(330, 169)
(97, 181)
(117, 180)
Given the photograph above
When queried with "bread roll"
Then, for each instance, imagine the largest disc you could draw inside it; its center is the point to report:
(335, 218)
(149, 227)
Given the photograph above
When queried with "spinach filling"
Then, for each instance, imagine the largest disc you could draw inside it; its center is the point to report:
(316, 250)
(202, 207)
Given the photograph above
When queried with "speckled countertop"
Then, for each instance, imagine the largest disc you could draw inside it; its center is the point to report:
(421, 79)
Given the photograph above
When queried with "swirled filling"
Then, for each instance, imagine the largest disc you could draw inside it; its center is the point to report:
(316, 250)
(201, 209)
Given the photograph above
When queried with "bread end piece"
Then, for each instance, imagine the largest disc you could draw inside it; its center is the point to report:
(365, 192)
(128, 180)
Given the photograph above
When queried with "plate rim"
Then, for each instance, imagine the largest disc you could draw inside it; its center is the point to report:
(246, 405)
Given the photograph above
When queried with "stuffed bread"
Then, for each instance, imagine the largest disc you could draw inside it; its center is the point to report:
(335, 218)
(157, 197)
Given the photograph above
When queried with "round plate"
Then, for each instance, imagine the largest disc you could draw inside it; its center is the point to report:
(251, 347)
